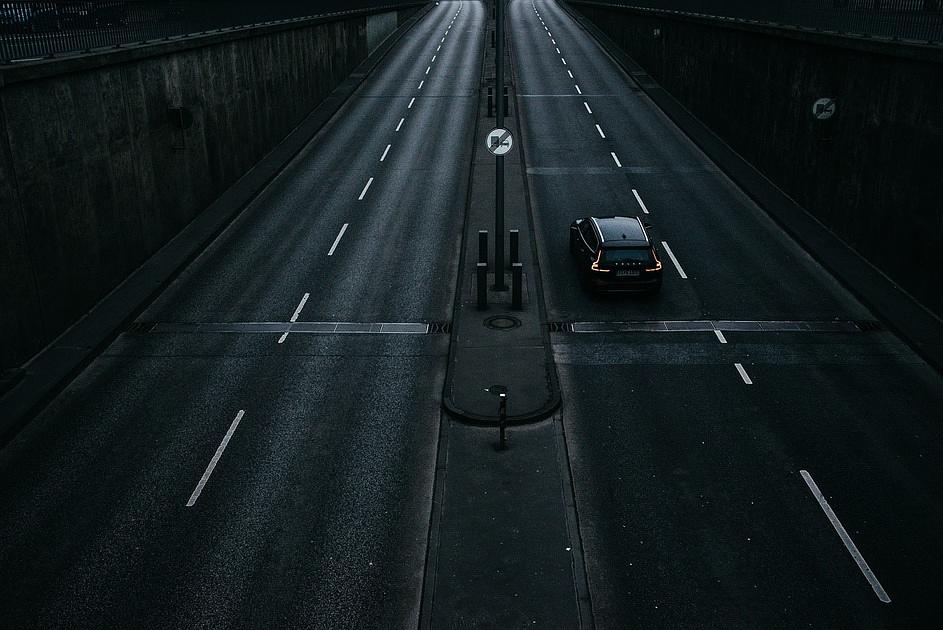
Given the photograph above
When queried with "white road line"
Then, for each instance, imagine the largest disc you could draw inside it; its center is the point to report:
(410, 106)
(365, 188)
(301, 305)
(578, 90)
(586, 105)
(599, 129)
(428, 68)
(400, 123)
(212, 464)
(337, 240)
(420, 84)
(385, 151)
(563, 60)
(441, 40)
(743, 373)
(640, 202)
(553, 41)
(616, 159)
(720, 336)
(845, 538)
(570, 73)
(673, 259)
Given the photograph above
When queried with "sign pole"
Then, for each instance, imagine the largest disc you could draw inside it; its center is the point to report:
(499, 160)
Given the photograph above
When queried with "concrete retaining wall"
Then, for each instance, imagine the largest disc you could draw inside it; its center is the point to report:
(96, 173)
(872, 173)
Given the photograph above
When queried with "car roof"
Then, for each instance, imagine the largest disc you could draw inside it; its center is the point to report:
(620, 231)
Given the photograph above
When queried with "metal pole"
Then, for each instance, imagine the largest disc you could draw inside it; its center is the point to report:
(499, 163)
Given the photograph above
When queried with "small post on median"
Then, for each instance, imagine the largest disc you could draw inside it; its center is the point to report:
(483, 246)
(502, 420)
(481, 277)
(515, 240)
(490, 102)
(517, 282)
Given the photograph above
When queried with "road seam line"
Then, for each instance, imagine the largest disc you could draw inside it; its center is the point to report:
(365, 188)
(641, 203)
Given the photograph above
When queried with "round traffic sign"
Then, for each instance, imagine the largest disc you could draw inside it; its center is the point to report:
(823, 108)
(499, 141)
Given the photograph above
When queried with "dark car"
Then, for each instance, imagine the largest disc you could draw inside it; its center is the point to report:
(615, 254)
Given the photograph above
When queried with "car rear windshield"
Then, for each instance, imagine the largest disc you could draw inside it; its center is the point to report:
(635, 254)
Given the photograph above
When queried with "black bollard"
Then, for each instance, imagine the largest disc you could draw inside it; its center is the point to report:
(517, 280)
(490, 102)
(502, 420)
(515, 246)
(483, 246)
(481, 271)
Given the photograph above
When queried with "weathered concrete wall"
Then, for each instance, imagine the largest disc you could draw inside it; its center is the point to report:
(95, 175)
(872, 173)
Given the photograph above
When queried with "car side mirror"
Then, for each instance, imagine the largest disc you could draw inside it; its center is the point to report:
(649, 226)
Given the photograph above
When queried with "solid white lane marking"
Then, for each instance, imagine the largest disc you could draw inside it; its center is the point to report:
(570, 73)
(400, 123)
(365, 188)
(433, 58)
(558, 51)
(212, 465)
(553, 41)
(599, 129)
(616, 158)
(720, 336)
(578, 90)
(586, 105)
(420, 84)
(845, 538)
(674, 260)
(743, 373)
(337, 240)
(439, 48)
(441, 40)
(640, 202)
(385, 151)
(412, 100)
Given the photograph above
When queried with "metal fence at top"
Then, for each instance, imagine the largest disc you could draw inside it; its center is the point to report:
(906, 20)
(32, 30)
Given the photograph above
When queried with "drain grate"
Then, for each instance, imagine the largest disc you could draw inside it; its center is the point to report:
(440, 328)
(869, 325)
(560, 327)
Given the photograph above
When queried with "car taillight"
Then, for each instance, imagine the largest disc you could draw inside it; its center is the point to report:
(595, 266)
(657, 266)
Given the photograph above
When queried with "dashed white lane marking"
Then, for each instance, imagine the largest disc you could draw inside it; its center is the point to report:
(212, 464)
(615, 159)
(337, 240)
(365, 188)
(720, 336)
(411, 101)
(294, 316)
(420, 84)
(428, 68)
(570, 73)
(400, 124)
(578, 90)
(385, 151)
(743, 373)
(641, 203)
(674, 260)
(586, 105)
(563, 60)
(845, 538)
(599, 129)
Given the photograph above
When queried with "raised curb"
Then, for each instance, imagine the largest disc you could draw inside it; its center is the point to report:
(553, 401)
(50, 370)
(920, 328)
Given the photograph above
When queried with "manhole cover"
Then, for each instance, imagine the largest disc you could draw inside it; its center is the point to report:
(502, 322)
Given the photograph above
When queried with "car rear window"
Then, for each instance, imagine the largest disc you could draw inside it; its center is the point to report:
(635, 254)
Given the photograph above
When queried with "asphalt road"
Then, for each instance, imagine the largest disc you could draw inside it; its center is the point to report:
(315, 506)
(693, 509)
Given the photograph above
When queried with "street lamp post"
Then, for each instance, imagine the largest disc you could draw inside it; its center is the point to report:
(499, 160)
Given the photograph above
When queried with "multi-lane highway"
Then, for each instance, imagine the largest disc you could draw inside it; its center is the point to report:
(687, 447)
(316, 511)
(260, 449)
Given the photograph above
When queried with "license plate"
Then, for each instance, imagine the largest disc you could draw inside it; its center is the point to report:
(627, 272)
